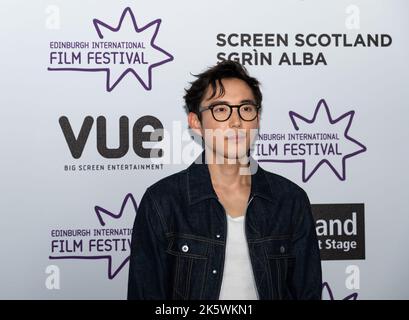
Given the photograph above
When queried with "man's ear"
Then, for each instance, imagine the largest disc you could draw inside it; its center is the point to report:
(194, 123)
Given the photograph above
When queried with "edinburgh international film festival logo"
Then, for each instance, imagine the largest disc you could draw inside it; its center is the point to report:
(121, 48)
(108, 241)
(313, 141)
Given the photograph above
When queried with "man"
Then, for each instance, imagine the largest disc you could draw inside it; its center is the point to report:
(224, 228)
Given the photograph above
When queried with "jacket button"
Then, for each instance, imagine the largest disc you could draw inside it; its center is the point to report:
(214, 271)
(282, 249)
(217, 235)
(185, 248)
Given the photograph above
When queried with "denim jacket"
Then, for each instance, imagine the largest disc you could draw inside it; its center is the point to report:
(179, 239)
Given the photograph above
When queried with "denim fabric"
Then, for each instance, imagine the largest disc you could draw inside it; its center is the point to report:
(179, 238)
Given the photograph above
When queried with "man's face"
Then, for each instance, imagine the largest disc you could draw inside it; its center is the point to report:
(230, 139)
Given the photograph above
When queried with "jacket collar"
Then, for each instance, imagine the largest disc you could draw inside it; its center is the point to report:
(199, 184)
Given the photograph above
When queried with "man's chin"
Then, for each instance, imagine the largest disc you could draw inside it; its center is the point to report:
(228, 155)
(234, 157)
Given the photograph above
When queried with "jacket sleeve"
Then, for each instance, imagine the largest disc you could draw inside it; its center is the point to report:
(306, 279)
(147, 267)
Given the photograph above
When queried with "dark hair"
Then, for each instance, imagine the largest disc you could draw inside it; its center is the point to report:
(225, 69)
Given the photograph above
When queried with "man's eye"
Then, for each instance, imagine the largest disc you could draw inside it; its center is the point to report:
(248, 108)
(220, 109)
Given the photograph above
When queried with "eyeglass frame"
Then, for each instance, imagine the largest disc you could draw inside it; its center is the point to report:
(231, 106)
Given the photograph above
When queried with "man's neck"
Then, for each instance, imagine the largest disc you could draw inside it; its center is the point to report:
(228, 175)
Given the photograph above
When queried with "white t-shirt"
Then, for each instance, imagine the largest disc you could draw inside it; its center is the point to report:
(238, 279)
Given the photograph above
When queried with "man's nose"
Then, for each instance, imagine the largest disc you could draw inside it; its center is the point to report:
(235, 119)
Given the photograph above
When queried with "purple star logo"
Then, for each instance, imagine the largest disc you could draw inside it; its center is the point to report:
(328, 295)
(122, 254)
(138, 53)
(339, 147)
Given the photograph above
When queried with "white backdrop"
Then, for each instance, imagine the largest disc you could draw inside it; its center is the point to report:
(357, 176)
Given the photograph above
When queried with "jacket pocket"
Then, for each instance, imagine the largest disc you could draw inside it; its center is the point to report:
(280, 260)
(189, 256)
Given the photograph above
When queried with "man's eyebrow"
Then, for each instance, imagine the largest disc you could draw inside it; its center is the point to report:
(248, 101)
(226, 102)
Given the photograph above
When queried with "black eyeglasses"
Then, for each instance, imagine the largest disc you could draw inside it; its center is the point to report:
(248, 111)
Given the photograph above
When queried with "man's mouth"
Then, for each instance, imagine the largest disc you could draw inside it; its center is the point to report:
(236, 138)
